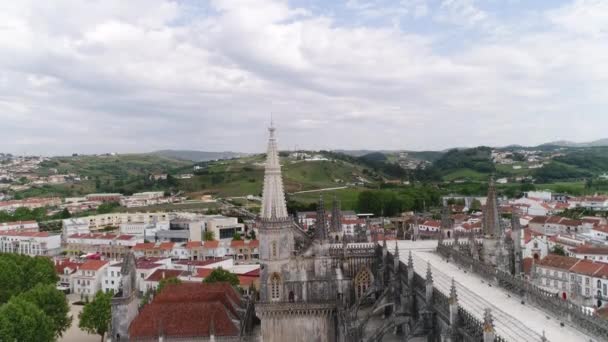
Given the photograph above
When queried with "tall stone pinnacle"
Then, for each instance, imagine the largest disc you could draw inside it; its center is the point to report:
(273, 197)
(491, 216)
(453, 295)
(429, 273)
(410, 261)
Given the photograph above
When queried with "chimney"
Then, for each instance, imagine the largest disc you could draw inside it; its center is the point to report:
(163, 274)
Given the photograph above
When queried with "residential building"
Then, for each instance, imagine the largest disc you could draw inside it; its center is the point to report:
(30, 243)
(153, 249)
(590, 252)
(108, 197)
(23, 226)
(245, 250)
(73, 226)
(553, 225)
(223, 227)
(111, 278)
(153, 280)
(87, 280)
(66, 269)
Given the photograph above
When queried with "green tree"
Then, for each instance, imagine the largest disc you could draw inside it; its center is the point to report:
(10, 279)
(475, 205)
(221, 275)
(96, 315)
(559, 250)
(53, 303)
(167, 281)
(236, 237)
(252, 234)
(40, 271)
(23, 321)
(209, 236)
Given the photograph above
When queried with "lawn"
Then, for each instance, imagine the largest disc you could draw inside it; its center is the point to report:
(348, 197)
(467, 174)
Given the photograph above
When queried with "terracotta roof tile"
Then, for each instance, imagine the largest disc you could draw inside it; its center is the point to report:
(161, 274)
(558, 261)
(93, 265)
(586, 267)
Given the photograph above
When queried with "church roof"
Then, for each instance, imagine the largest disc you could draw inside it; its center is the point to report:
(189, 310)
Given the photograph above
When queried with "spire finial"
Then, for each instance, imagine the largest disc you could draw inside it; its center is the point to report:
(488, 321)
(396, 250)
(453, 295)
(429, 273)
(410, 261)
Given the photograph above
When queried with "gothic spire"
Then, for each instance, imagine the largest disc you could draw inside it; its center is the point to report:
(410, 261)
(491, 216)
(429, 273)
(453, 295)
(321, 224)
(336, 216)
(273, 200)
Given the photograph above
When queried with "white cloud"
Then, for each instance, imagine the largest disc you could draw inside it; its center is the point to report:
(143, 75)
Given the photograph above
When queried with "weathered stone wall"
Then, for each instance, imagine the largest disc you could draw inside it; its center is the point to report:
(124, 310)
(299, 328)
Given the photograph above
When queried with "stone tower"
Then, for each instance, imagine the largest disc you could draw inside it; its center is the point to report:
(491, 216)
(336, 220)
(321, 222)
(275, 232)
(125, 302)
(517, 250)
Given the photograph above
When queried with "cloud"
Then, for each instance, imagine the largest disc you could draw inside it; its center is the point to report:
(79, 76)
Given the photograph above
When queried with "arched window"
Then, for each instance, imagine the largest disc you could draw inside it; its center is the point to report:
(275, 287)
(274, 249)
(363, 281)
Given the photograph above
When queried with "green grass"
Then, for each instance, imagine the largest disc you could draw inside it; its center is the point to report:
(348, 197)
(467, 174)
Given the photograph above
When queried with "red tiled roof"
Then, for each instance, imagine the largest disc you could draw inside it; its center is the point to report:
(161, 274)
(189, 310)
(212, 244)
(151, 245)
(246, 280)
(432, 223)
(558, 261)
(93, 265)
(254, 273)
(586, 267)
(602, 272)
(194, 244)
(200, 263)
(588, 249)
(539, 219)
(601, 228)
(24, 234)
(60, 267)
(203, 272)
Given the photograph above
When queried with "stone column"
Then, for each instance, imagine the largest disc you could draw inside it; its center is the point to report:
(429, 286)
(453, 302)
(488, 326)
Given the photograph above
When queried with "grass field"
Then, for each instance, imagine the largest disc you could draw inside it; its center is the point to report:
(348, 197)
(467, 174)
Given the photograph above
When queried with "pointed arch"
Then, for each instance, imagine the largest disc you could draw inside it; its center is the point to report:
(275, 287)
(363, 281)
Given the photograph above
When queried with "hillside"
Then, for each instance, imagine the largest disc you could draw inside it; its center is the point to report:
(125, 173)
(196, 156)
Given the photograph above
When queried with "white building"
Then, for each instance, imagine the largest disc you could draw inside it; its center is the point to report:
(111, 278)
(87, 281)
(30, 243)
(143, 229)
(115, 219)
(31, 226)
(73, 226)
(223, 227)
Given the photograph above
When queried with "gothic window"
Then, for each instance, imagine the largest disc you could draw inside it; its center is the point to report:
(275, 287)
(363, 281)
(274, 249)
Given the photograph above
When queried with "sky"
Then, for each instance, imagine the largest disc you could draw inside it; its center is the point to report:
(95, 76)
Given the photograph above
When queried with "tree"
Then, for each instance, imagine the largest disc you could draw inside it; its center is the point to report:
(167, 281)
(96, 315)
(252, 234)
(209, 236)
(40, 271)
(475, 205)
(10, 279)
(559, 250)
(221, 275)
(236, 236)
(53, 303)
(23, 321)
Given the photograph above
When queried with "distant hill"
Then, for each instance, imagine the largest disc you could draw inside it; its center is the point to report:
(197, 156)
(567, 143)
(421, 155)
